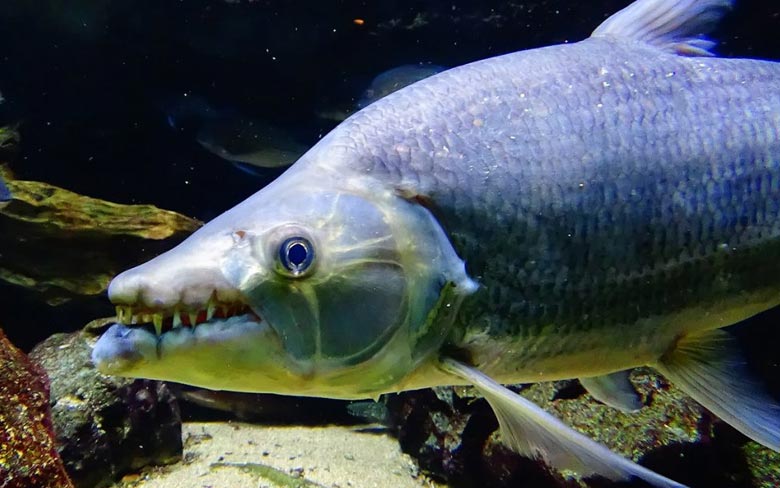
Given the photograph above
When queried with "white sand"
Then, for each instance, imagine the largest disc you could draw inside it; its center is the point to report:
(332, 456)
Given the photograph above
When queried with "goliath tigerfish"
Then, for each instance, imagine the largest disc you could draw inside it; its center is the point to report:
(570, 211)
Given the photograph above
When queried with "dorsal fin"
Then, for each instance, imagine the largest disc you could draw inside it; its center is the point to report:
(676, 26)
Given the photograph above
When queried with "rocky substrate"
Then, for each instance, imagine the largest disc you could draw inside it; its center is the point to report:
(105, 426)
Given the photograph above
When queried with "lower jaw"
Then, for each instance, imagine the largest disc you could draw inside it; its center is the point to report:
(121, 347)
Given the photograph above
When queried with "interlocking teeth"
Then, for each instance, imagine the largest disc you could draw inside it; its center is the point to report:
(124, 315)
(157, 319)
(212, 307)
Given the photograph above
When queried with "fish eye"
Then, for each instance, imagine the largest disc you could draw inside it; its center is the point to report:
(296, 256)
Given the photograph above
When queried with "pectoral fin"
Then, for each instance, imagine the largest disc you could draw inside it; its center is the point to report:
(614, 390)
(709, 367)
(531, 431)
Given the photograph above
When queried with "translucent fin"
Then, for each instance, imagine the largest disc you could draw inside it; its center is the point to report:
(247, 168)
(531, 431)
(709, 367)
(614, 390)
(675, 26)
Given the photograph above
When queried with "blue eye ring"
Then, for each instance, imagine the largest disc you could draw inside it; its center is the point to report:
(296, 255)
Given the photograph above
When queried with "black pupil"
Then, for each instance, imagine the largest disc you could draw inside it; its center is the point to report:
(296, 254)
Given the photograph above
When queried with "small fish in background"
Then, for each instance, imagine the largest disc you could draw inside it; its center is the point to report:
(370, 411)
(5, 193)
(396, 78)
(382, 85)
(250, 141)
(186, 113)
(267, 408)
(232, 136)
(9, 142)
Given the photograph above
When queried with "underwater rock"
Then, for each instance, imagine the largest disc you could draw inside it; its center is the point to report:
(448, 431)
(92, 239)
(105, 426)
(452, 433)
(28, 458)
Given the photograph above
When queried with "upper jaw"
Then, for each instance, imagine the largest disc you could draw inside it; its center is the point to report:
(164, 320)
(181, 288)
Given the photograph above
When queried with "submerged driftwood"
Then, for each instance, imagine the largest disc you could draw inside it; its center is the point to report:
(64, 245)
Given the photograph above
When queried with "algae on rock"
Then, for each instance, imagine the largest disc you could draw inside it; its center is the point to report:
(63, 245)
(105, 426)
(28, 458)
(451, 431)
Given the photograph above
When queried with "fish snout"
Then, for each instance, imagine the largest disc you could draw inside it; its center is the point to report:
(158, 287)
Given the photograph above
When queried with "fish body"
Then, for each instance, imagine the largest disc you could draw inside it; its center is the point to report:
(250, 141)
(394, 79)
(232, 136)
(381, 85)
(608, 197)
(568, 211)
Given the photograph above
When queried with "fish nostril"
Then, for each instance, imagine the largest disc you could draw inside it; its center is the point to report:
(123, 290)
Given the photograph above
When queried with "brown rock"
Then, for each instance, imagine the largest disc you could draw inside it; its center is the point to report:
(28, 458)
(105, 426)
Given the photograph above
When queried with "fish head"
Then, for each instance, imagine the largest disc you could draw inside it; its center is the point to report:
(317, 285)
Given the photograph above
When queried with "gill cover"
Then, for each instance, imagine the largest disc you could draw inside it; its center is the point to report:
(352, 282)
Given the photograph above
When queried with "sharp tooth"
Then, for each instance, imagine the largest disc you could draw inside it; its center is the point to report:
(210, 310)
(193, 318)
(176, 319)
(158, 320)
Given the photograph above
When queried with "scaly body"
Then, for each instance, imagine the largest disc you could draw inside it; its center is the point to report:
(606, 196)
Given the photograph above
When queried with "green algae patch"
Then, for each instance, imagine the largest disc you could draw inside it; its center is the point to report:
(668, 418)
(452, 432)
(62, 244)
(269, 474)
(9, 137)
(764, 465)
(28, 456)
(58, 210)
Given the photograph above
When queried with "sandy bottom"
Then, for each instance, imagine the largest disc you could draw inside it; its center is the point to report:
(233, 455)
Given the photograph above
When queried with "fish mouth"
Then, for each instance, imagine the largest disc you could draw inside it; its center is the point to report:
(185, 344)
(162, 321)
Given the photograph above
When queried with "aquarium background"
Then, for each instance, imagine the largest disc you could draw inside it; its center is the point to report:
(94, 85)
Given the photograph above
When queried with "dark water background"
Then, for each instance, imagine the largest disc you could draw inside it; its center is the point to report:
(90, 81)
